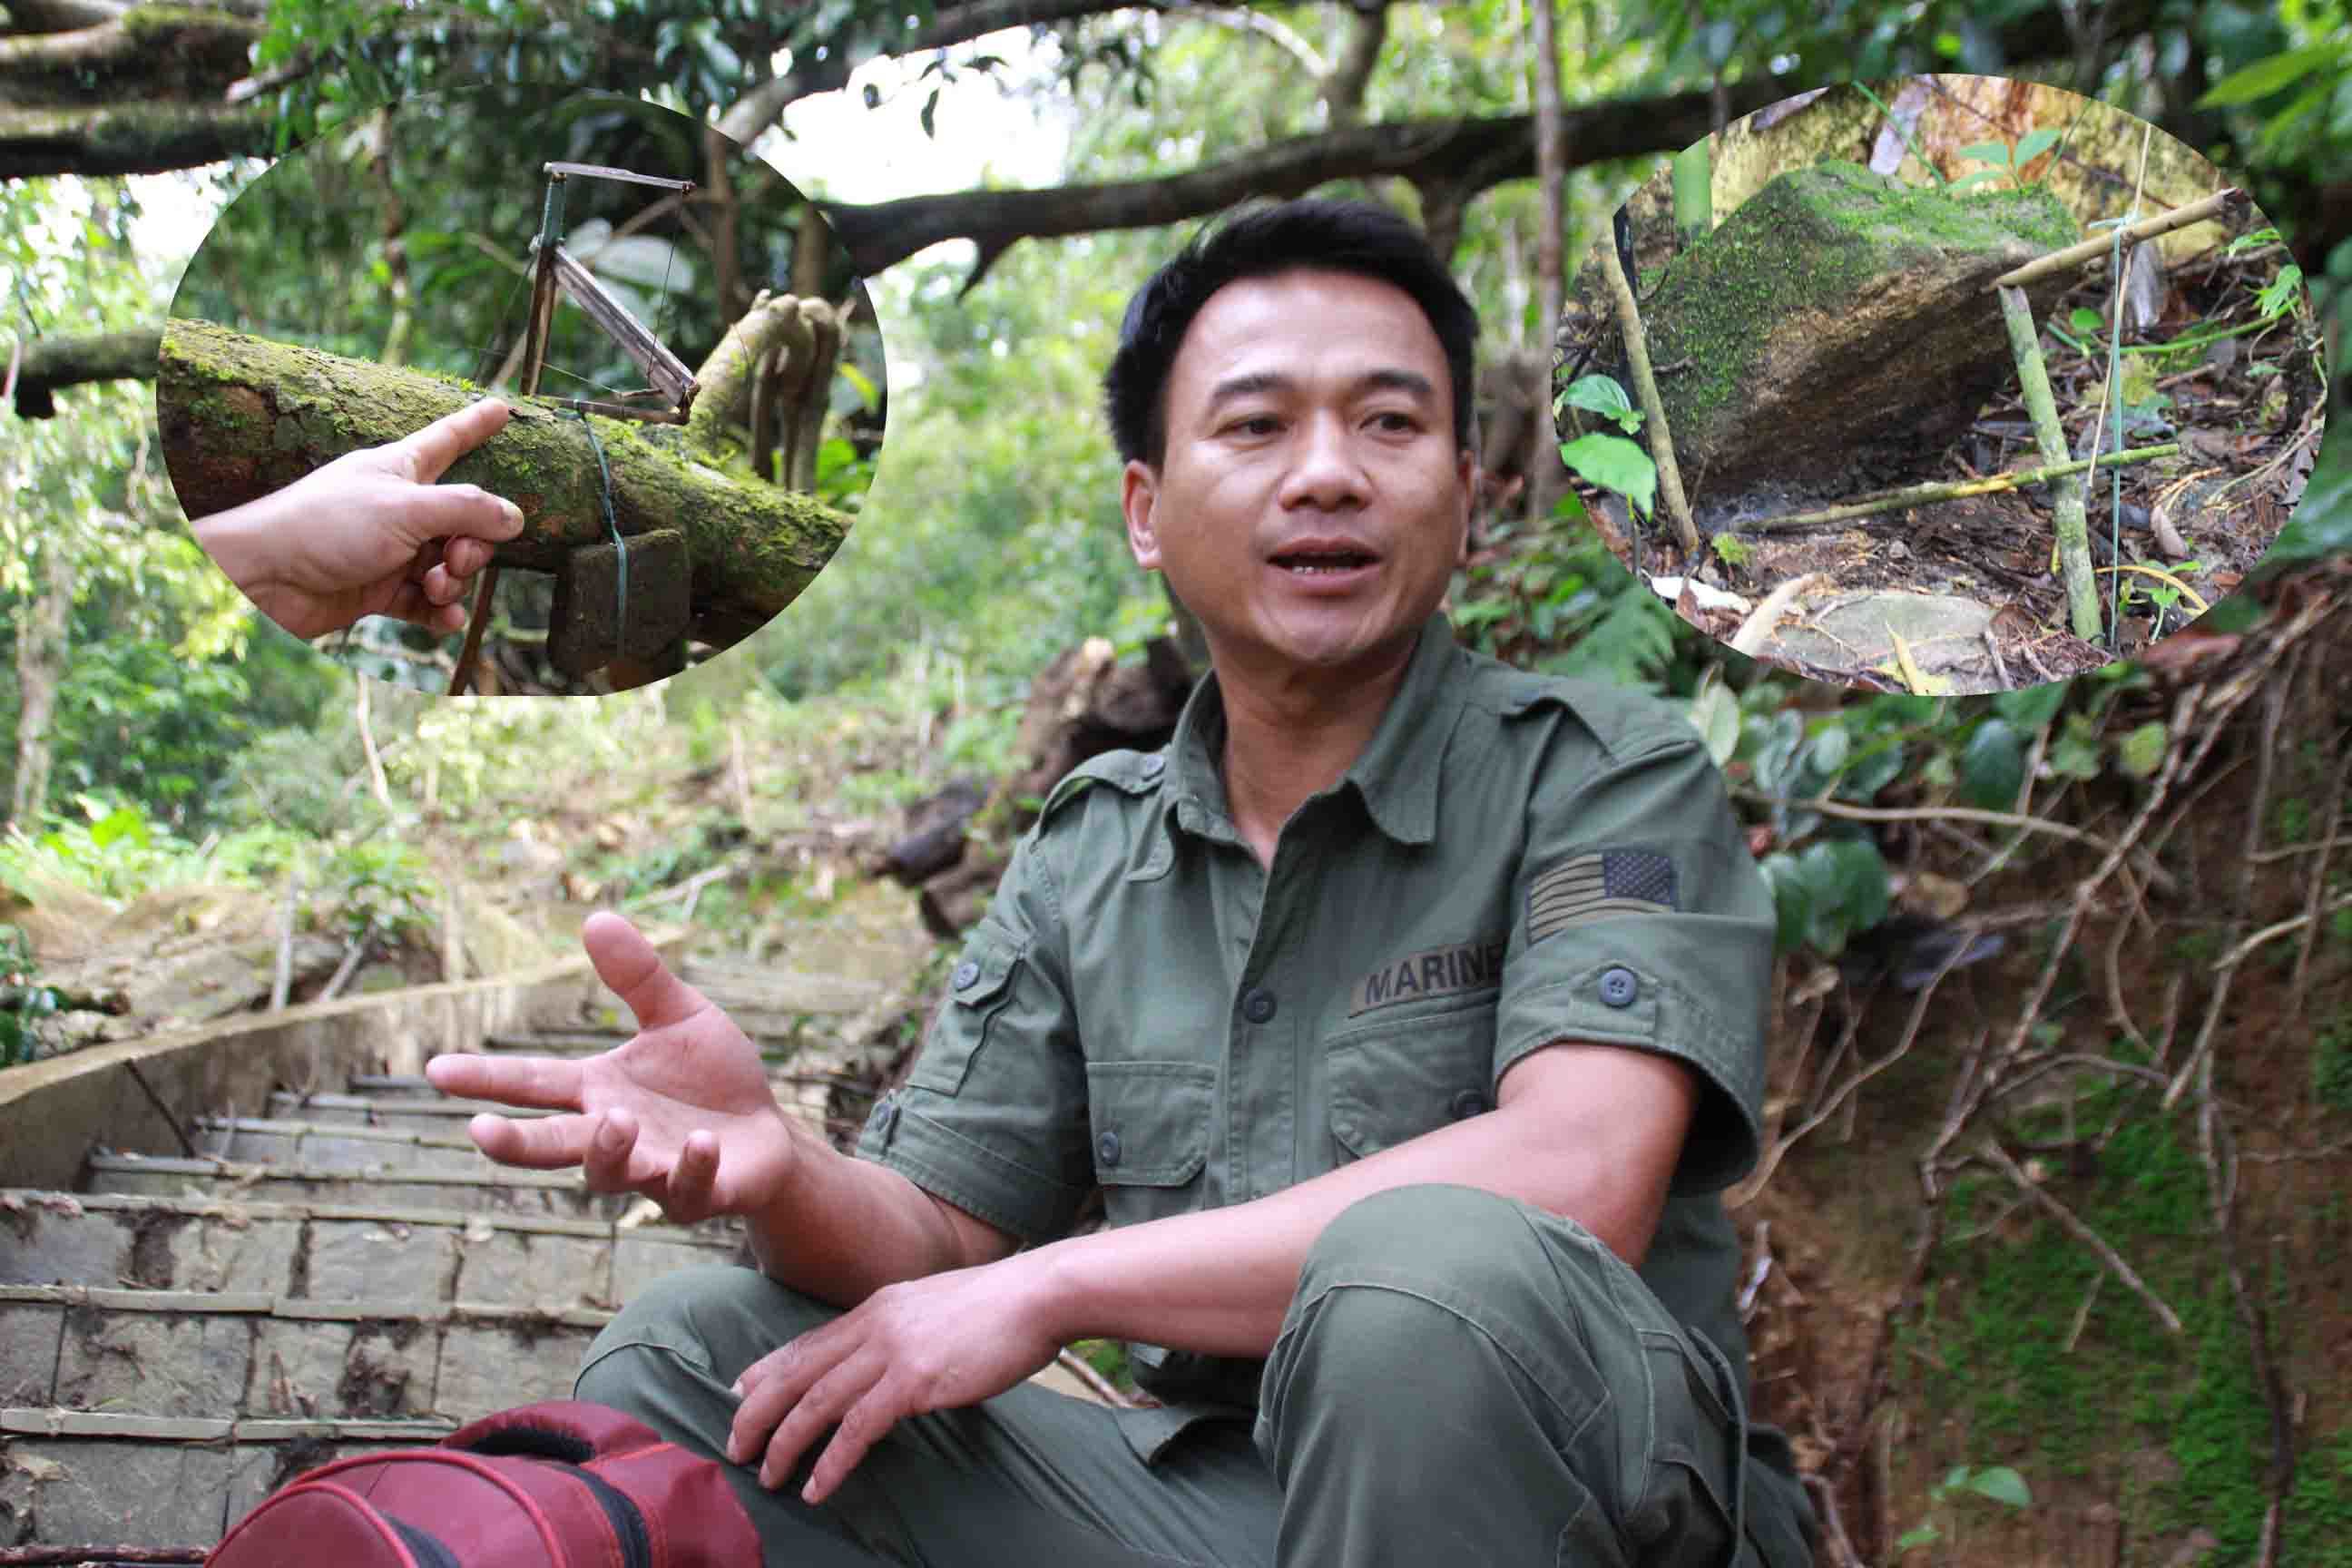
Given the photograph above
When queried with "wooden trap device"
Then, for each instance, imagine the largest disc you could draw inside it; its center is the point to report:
(629, 598)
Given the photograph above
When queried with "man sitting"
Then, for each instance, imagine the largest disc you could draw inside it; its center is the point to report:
(1406, 1009)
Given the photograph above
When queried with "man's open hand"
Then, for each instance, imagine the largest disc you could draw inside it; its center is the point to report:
(934, 1343)
(681, 1113)
(371, 533)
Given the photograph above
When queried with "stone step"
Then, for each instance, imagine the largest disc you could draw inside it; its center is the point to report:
(553, 1041)
(220, 1355)
(757, 988)
(778, 1042)
(359, 1251)
(73, 1475)
(422, 1107)
(485, 1189)
(330, 1146)
(414, 1102)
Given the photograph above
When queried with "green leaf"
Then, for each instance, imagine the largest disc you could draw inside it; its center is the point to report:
(2031, 707)
(1993, 767)
(127, 823)
(866, 390)
(2141, 752)
(2075, 753)
(1987, 153)
(1601, 394)
(2083, 319)
(1614, 464)
(2033, 144)
(2283, 291)
(1824, 891)
(1862, 883)
(1716, 714)
(1792, 900)
(1777, 741)
(1873, 772)
(1830, 750)
(2002, 1485)
(2252, 83)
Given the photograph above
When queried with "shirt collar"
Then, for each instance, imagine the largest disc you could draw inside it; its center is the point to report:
(1396, 776)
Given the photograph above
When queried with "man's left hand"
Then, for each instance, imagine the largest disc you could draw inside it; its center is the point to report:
(934, 1343)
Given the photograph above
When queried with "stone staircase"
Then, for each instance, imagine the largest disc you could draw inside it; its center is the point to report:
(329, 1273)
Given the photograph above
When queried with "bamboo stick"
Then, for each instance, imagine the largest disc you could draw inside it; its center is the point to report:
(2089, 250)
(1645, 386)
(2074, 531)
(1953, 490)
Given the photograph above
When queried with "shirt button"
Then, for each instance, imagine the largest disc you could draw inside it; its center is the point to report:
(1258, 1006)
(1618, 987)
(1469, 1103)
(965, 974)
(1106, 1150)
(1154, 765)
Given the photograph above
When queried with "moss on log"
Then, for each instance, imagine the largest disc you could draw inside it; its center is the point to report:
(243, 416)
(153, 52)
(1837, 330)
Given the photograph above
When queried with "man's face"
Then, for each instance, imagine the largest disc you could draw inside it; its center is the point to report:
(1314, 498)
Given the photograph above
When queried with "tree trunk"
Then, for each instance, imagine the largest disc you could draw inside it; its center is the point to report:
(1544, 483)
(41, 648)
(243, 416)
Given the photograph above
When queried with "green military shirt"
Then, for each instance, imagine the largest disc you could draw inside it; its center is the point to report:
(1514, 860)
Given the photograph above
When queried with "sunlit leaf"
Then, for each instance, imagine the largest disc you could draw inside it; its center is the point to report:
(1614, 464)
(2033, 143)
(2251, 83)
(1601, 394)
(2002, 1485)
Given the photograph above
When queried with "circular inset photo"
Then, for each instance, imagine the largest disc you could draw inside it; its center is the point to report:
(580, 394)
(1943, 385)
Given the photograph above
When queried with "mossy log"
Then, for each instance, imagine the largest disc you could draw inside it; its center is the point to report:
(1836, 332)
(243, 415)
(153, 52)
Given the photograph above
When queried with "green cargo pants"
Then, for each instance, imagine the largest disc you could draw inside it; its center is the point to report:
(1461, 1378)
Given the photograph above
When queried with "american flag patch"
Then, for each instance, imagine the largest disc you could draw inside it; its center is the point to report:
(1591, 887)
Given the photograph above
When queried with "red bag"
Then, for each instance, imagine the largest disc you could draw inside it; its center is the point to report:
(560, 1485)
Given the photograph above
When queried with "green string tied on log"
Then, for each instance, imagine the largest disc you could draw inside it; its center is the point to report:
(612, 523)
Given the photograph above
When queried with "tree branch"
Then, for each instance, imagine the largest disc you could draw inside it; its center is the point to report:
(762, 107)
(1351, 73)
(61, 15)
(139, 138)
(164, 52)
(52, 363)
(1240, 18)
(1430, 152)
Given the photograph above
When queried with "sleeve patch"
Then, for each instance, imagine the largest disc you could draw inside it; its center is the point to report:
(1599, 885)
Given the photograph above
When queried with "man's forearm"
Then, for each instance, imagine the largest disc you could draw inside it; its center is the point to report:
(844, 1228)
(1220, 1281)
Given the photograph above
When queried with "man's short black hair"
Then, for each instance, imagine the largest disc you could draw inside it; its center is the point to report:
(1336, 236)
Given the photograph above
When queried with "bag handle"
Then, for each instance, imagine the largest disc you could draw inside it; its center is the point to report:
(571, 1430)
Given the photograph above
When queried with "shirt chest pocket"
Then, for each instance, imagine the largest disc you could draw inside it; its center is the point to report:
(979, 987)
(1397, 1079)
(1150, 1124)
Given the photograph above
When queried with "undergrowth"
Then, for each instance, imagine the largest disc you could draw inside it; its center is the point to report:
(1997, 1348)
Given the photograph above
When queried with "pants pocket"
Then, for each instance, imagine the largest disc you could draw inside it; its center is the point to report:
(1697, 1456)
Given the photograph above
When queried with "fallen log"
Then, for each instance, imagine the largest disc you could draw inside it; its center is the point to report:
(242, 417)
